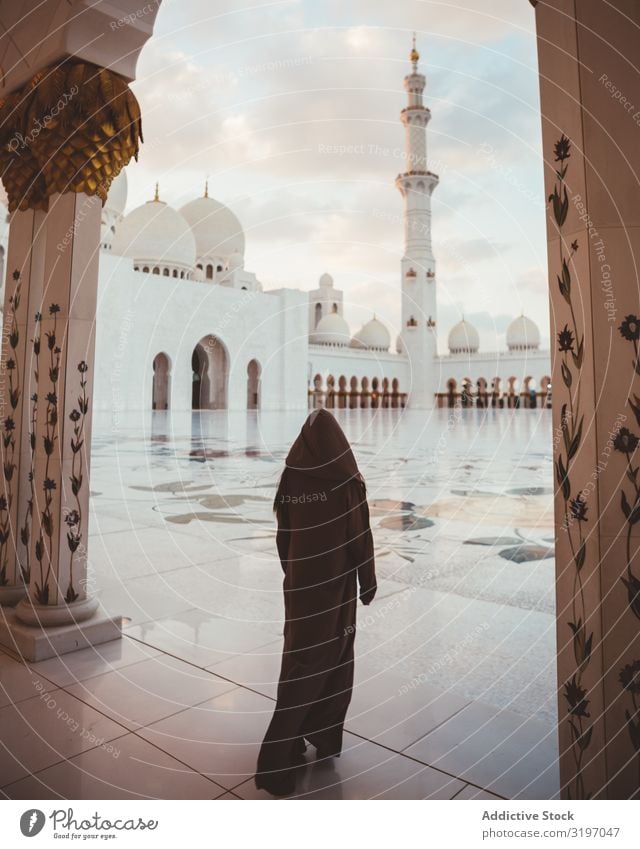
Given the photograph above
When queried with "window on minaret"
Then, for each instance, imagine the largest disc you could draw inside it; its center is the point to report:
(335, 308)
(318, 314)
(209, 272)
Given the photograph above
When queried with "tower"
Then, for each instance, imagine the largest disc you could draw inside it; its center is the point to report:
(418, 282)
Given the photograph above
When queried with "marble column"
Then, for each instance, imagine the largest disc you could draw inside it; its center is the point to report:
(590, 104)
(60, 612)
(57, 173)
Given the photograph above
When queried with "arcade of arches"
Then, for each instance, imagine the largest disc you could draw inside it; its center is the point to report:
(508, 394)
(209, 378)
(363, 394)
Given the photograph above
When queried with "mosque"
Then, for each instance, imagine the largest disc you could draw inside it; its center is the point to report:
(183, 325)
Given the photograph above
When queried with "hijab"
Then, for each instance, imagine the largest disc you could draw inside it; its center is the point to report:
(322, 451)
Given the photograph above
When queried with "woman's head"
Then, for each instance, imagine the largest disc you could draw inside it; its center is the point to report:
(321, 450)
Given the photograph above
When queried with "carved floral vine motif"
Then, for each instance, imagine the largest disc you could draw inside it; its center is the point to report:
(25, 530)
(74, 517)
(49, 439)
(571, 348)
(8, 433)
(626, 442)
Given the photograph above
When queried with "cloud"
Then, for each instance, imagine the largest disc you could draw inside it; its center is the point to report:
(292, 109)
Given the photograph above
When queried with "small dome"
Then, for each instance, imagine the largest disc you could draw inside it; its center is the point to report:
(463, 338)
(155, 233)
(217, 231)
(117, 196)
(332, 329)
(523, 334)
(373, 335)
(326, 280)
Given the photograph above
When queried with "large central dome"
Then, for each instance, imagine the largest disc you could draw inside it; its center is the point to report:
(217, 231)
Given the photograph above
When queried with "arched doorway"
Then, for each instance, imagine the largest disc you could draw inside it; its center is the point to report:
(161, 382)
(209, 375)
(253, 385)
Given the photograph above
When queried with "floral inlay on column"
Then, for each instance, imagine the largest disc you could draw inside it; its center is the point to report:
(8, 434)
(571, 347)
(49, 439)
(74, 517)
(627, 442)
(25, 530)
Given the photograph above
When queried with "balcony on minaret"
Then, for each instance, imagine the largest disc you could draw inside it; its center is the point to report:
(411, 273)
(431, 274)
(431, 322)
(412, 322)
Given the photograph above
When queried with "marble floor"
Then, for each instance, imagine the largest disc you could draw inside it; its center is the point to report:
(455, 683)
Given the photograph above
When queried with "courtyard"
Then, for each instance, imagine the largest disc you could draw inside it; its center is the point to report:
(455, 693)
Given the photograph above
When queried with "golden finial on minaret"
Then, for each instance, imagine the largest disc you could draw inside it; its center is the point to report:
(156, 197)
(414, 55)
(206, 187)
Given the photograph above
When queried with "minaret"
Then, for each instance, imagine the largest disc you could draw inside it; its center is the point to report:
(418, 266)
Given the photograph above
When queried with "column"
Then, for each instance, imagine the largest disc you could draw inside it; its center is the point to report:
(590, 103)
(57, 173)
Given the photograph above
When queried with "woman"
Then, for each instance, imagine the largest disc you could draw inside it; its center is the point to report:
(326, 551)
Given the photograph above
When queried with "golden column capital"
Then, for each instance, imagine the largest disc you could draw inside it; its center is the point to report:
(71, 128)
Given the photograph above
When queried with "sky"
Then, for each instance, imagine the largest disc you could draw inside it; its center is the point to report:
(292, 111)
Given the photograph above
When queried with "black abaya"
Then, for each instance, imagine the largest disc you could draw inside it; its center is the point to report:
(326, 550)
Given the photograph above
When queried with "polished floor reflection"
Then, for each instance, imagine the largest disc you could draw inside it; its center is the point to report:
(455, 687)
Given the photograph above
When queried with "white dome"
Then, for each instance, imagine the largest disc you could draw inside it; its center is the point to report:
(332, 329)
(326, 280)
(155, 233)
(373, 335)
(117, 196)
(523, 334)
(463, 338)
(217, 231)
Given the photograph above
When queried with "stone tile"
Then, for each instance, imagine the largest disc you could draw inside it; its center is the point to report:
(145, 692)
(257, 670)
(244, 588)
(140, 599)
(96, 660)
(147, 551)
(49, 728)
(219, 738)
(364, 771)
(471, 792)
(507, 754)
(200, 638)
(387, 710)
(17, 680)
(130, 769)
